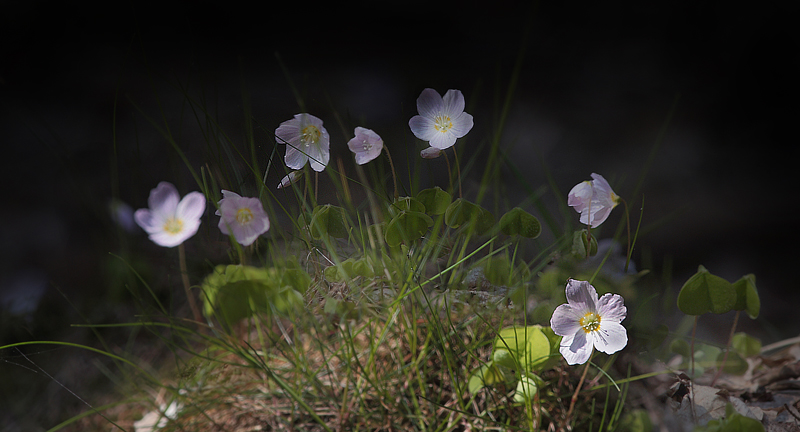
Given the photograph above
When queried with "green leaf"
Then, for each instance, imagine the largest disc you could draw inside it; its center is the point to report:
(527, 386)
(519, 222)
(734, 363)
(406, 227)
(435, 200)
(705, 292)
(328, 220)
(746, 345)
(747, 296)
(406, 204)
(580, 240)
(462, 212)
(486, 375)
(524, 348)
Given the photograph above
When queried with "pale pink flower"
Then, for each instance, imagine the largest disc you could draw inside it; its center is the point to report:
(593, 199)
(366, 145)
(244, 217)
(586, 323)
(306, 141)
(441, 120)
(171, 220)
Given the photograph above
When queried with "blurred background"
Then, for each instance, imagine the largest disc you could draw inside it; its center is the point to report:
(701, 94)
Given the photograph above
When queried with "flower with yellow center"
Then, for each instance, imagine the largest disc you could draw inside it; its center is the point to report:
(170, 220)
(244, 218)
(587, 322)
(593, 199)
(366, 145)
(306, 141)
(441, 120)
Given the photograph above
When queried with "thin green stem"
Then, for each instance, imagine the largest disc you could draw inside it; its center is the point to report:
(394, 175)
(186, 287)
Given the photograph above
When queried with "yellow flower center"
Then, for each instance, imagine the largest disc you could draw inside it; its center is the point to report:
(590, 322)
(310, 135)
(244, 216)
(173, 225)
(442, 123)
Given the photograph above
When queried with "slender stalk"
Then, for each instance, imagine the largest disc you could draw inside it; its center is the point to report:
(580, 384)
(727, 348)
(458, 172)
(394, 175)
(186, 287)
(628, 223)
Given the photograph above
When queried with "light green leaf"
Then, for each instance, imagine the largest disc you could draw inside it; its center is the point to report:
(705, 292)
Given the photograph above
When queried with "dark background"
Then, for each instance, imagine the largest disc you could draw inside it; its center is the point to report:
(597, 85)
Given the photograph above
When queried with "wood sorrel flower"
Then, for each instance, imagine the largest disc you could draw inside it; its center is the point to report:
(170, 220)
(243, 217)
(594, 200)
(586, 322)
(306, 140)
(430, 153)
(441, 120)
(367, 145)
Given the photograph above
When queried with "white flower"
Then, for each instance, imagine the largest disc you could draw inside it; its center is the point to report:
(244, 217)
(367, 145)
(170, 220)
(594, 200)
(586, 322)
(441, 120)
(306, 140)
(290, 178)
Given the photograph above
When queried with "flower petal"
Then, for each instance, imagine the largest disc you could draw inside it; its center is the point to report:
(443, 140)
(453, 103)
(462, 124)
(144, 218)
(565, 321)
(611, 307)
(429, 103)
(576, 349)
(191, 207)
(422, 127)
(295, 159)
(582, 296)
(164, 199)
(610, 338)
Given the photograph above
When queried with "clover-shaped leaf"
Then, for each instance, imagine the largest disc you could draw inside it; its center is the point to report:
(747, 296)
(328, 220)
(746, 345)
(435, 200)
(519, 222)
(406, 204)
(524, 348)
(462, 212)
(527, 386)
(705, 292)
(406, 227)
(486, 375)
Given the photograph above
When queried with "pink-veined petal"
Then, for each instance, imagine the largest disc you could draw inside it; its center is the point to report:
(462, 124)
(453, 102)
(295, 159)
(564, 321)
(443, 140)
(576, 349)
(610, 338)
(429, 103)
(582, 296)
(611, 307)
(422, 127)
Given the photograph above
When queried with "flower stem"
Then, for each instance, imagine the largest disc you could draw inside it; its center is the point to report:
(458, 172)
(394, 175)
(628, 223)
(580, 384)
(727, 349)
(185, 278)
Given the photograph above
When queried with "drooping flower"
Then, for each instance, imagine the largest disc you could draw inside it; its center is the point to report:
(290, 178)
(441, 120)
(243, 217)
(367, 145)
(306, 140)
(586, 323)
(171, 220)
(593, 199)
(430, 153)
